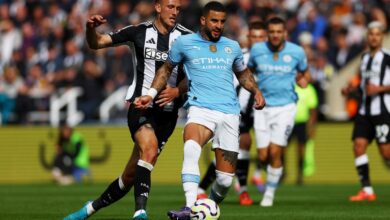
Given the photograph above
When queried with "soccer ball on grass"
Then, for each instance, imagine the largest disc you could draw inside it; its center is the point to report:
(205, 209)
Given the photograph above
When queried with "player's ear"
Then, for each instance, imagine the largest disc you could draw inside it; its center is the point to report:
(203, 20)
(157, 7)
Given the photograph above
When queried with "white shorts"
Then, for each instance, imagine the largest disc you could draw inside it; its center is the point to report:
(224, 126)
(274, 125)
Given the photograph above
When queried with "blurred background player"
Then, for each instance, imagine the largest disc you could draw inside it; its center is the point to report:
(210, 61)
(304, 130)
(149, 128)
(72, 159)
(278, 65)
(256, 33)
(373, 118)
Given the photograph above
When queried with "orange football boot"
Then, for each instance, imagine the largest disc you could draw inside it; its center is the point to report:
(245, 199)
(362, 196)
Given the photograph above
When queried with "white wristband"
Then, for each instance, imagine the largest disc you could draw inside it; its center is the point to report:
(152, 92)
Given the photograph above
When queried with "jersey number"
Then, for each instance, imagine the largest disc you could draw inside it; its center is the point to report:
(382, 132)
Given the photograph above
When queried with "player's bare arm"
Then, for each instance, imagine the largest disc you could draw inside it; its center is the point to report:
(170, 93)
(303, 78)
(159, 82)
(96, 40)
(372, 89)
(247, 80)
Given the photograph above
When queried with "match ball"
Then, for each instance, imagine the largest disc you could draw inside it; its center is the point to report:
(205, 209)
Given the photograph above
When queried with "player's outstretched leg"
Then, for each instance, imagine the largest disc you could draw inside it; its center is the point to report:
(115, 191)
(367, 192)
(142, 184)
(82, 213)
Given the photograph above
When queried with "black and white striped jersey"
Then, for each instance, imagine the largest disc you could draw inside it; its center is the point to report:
(376, 70)
(151, 50)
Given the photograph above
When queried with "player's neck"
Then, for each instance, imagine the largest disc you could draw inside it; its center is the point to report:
(373, 51)
(276, 49)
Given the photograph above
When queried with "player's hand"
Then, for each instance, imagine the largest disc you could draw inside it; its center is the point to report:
(95, 21)
(372, 89)
(259, 100)
(143, 102)
(167, 95)
(301, 80)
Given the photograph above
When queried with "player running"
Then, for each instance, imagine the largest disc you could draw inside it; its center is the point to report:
(210, 62)
(278, 65)
(256, 33)
(149, 128)
(373, 118)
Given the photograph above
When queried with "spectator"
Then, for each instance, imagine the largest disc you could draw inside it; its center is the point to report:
(71, 162)
(9, 87)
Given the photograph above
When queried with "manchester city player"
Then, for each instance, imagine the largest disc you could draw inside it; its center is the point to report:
(209, 61)
(278, 65)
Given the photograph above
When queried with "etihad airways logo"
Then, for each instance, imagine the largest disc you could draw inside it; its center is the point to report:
(208, 60)
(213, 63)
(154, 54)
(275, 68)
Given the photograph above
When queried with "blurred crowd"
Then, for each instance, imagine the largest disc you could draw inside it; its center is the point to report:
(43, 49)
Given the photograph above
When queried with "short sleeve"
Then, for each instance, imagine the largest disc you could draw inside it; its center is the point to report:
(238, 63)
(125, 34)
(175, 54)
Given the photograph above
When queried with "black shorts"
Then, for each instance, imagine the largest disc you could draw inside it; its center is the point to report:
(370, 127)
(300, 132)
(163, 122)
(246, 122)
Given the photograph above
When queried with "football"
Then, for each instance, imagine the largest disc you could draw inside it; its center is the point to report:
(205, 209)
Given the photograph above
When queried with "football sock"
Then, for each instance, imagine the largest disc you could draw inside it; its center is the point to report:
(273, 177)
(142, 184)
(209, 178)
(242, 169)
(221, 186)
(362, 168)
(190, 173)
(115, 191)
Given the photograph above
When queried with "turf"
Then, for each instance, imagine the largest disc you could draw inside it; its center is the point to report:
(46, 201)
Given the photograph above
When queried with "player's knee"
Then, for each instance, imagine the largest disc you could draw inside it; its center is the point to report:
(359, 146)
(224, 179)
(149, 154)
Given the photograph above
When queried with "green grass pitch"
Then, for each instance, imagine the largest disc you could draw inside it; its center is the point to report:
(48, 201)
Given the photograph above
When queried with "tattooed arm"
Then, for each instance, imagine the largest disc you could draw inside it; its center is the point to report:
(158, 84)
(247, 81)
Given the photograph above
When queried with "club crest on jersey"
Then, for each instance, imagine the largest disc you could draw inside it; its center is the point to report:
(228, 50)
(153, 54)
(287, 58)
(213, 48)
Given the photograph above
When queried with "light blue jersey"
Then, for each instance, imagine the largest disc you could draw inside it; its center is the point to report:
(210, 67)
(276, 78)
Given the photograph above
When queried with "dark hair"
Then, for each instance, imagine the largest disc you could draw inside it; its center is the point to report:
(214, 6)
(276, 20)
(257, 25)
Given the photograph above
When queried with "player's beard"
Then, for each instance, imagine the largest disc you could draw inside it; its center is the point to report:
(276, 48)
(207, 31)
